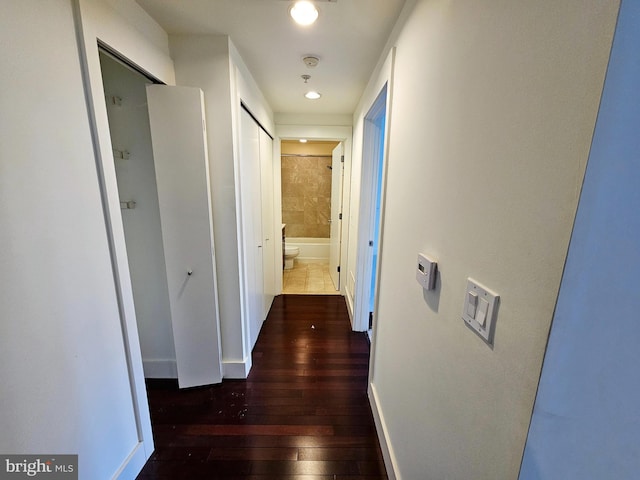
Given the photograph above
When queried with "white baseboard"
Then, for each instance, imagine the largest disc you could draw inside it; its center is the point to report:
(349, 298)
(133, 464)
(166, 368)
(236, 368)
(388, 455)
(169, 368)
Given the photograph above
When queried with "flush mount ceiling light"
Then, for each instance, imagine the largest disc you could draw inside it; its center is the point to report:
(304, 12)
(312, 95)
(311, 61)
(303, 140)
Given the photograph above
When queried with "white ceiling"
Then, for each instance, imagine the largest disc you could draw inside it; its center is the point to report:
(348, 37)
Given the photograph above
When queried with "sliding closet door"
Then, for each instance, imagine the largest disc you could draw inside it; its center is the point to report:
(182, 172)
(269, 234)
(251, 202)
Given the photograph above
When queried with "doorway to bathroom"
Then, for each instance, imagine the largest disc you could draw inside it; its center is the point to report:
(312, 173)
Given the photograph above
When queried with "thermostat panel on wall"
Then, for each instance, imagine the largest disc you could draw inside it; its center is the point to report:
(426, 272)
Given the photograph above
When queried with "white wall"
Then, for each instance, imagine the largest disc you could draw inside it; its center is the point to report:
(122, 26)
(493, 108)
(312, 119)
(586, 423)
(63, 368)
(382, 78)
(129, 127)
(211, 63)
(248, 91)
(245, 91)
(203, 61)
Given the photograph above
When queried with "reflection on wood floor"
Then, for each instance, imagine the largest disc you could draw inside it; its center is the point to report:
(308, 278)
(302, 414)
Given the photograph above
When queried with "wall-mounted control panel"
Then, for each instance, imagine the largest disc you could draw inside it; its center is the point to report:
(480, 309)
(426, 272)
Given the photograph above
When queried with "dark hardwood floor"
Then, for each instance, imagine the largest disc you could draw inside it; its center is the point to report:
(303, 413)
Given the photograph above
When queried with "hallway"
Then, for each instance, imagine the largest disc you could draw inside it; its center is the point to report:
(303, 412)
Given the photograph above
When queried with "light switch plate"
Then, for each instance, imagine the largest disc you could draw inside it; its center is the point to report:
(426, 272)
(481, 317)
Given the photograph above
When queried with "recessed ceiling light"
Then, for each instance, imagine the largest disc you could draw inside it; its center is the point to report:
(304, 12)
(312, 95)
(303, 140)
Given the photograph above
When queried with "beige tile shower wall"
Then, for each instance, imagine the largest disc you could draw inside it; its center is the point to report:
(306, 196)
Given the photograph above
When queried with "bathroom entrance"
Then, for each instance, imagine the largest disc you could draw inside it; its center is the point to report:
(312, 173)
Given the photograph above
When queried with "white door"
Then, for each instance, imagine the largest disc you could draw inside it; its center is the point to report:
(371, 204)
(268, 228)
(337, 170)
(178, 137)
(251, 203)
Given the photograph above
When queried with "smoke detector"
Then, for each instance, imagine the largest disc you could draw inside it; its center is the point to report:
(311, 61)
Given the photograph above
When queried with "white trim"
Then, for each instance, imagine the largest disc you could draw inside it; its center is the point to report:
(160, 368)
(245, 90)
(373, 167)
(363, 268)
(133, 464)
(350, 294)
(236, 111)
(390, 461)
(236, 369)
(100, 22)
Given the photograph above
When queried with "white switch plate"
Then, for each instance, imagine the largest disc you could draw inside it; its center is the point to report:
(482, 316)
(426, 272)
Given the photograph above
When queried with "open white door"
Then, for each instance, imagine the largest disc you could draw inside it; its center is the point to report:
(371, 204)
(178, 137)
(337, 170)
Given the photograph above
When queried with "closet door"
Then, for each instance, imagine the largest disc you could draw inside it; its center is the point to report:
(252, 238)
(182, 173)
(271, 245)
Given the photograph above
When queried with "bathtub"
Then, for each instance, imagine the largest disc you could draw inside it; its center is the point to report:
(311, 249)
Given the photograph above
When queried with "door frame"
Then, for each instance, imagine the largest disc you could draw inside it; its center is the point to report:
(313, 132)
(383, 80)
(96, 28)
(372, 186)
(335, 221)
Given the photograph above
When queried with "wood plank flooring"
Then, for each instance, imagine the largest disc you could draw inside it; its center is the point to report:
(303, 413)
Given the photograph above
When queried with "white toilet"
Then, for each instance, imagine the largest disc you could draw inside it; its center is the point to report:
(289, 254)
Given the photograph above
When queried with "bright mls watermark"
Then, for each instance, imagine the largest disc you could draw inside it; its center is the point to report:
(51, 467)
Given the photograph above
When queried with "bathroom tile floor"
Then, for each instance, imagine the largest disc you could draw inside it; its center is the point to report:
(308, 278)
